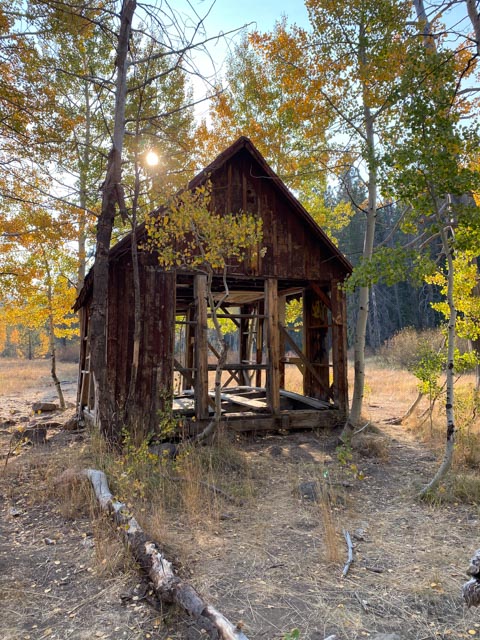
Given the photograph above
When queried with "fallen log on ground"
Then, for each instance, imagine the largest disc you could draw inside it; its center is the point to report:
(168, 587)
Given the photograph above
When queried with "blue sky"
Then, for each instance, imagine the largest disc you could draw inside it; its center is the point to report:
(227, 15)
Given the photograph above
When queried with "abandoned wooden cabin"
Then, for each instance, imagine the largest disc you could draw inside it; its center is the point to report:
(176, 355)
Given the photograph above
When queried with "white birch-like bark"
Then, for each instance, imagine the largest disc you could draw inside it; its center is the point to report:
(51, 337)
(84, 164)
(474, 16)
(449, 405)
(363, 302)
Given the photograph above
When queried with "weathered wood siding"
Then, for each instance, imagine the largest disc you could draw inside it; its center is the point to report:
(297, 258)
(155, 373)
(292, 248)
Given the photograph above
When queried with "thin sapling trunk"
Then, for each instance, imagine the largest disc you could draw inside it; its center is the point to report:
(51, 338)
(213, 426)
(363, 301)
(449, 405)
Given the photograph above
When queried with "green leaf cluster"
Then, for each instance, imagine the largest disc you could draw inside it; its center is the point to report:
(189, 233)
(390, 265)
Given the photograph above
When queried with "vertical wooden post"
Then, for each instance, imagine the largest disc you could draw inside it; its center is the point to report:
(162, 374)
(201, 347)
(259, 342)
(339, 347)
(116, 291)
(273, 345)
(189, 346)
(84, 361)
(315, 345)
(282, 304)
(123, 333)
(244, 341)
(153, 393)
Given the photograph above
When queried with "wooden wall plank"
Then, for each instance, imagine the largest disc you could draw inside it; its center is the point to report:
(273, 345)
(315, 321)
(113, 346)
(260, 326)
(125, 310)
(282, 306)
(201, 347)
(339, 346)
(189, 348)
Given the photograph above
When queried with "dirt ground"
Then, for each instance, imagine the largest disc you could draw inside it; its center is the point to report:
(265, 563)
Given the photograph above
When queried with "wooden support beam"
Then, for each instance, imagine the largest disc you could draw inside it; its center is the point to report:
(233, 376)
(311, 402)
(155, 375)
(307, 364)
(201, 347)
(321, 295)
(243, 366)
(227, 315)
(250, 403)
(339, 347)
(84, 361)
(315, 345)
(185, 372)
(236, 316)
(299, 419)
(189, 347)
(259, 342)
(273, 345)
(282, 306)
(244, 341)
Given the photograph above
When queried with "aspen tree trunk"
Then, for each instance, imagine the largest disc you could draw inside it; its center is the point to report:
(476, 341)
(474, 16)
(428, 41)
(363, 299)
(112, 195)
(448, 250)
(51, 339)
(82, 218)
(449, 405)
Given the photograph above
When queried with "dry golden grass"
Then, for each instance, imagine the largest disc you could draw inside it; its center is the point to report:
(393, 391)
(293, 379)
(333, 550)
(111, 555)
(372, 445)
(17, 376)
(275, 561)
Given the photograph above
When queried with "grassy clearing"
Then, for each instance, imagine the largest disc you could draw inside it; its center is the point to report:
(260, 552)
(394, 389)
(18, 376)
